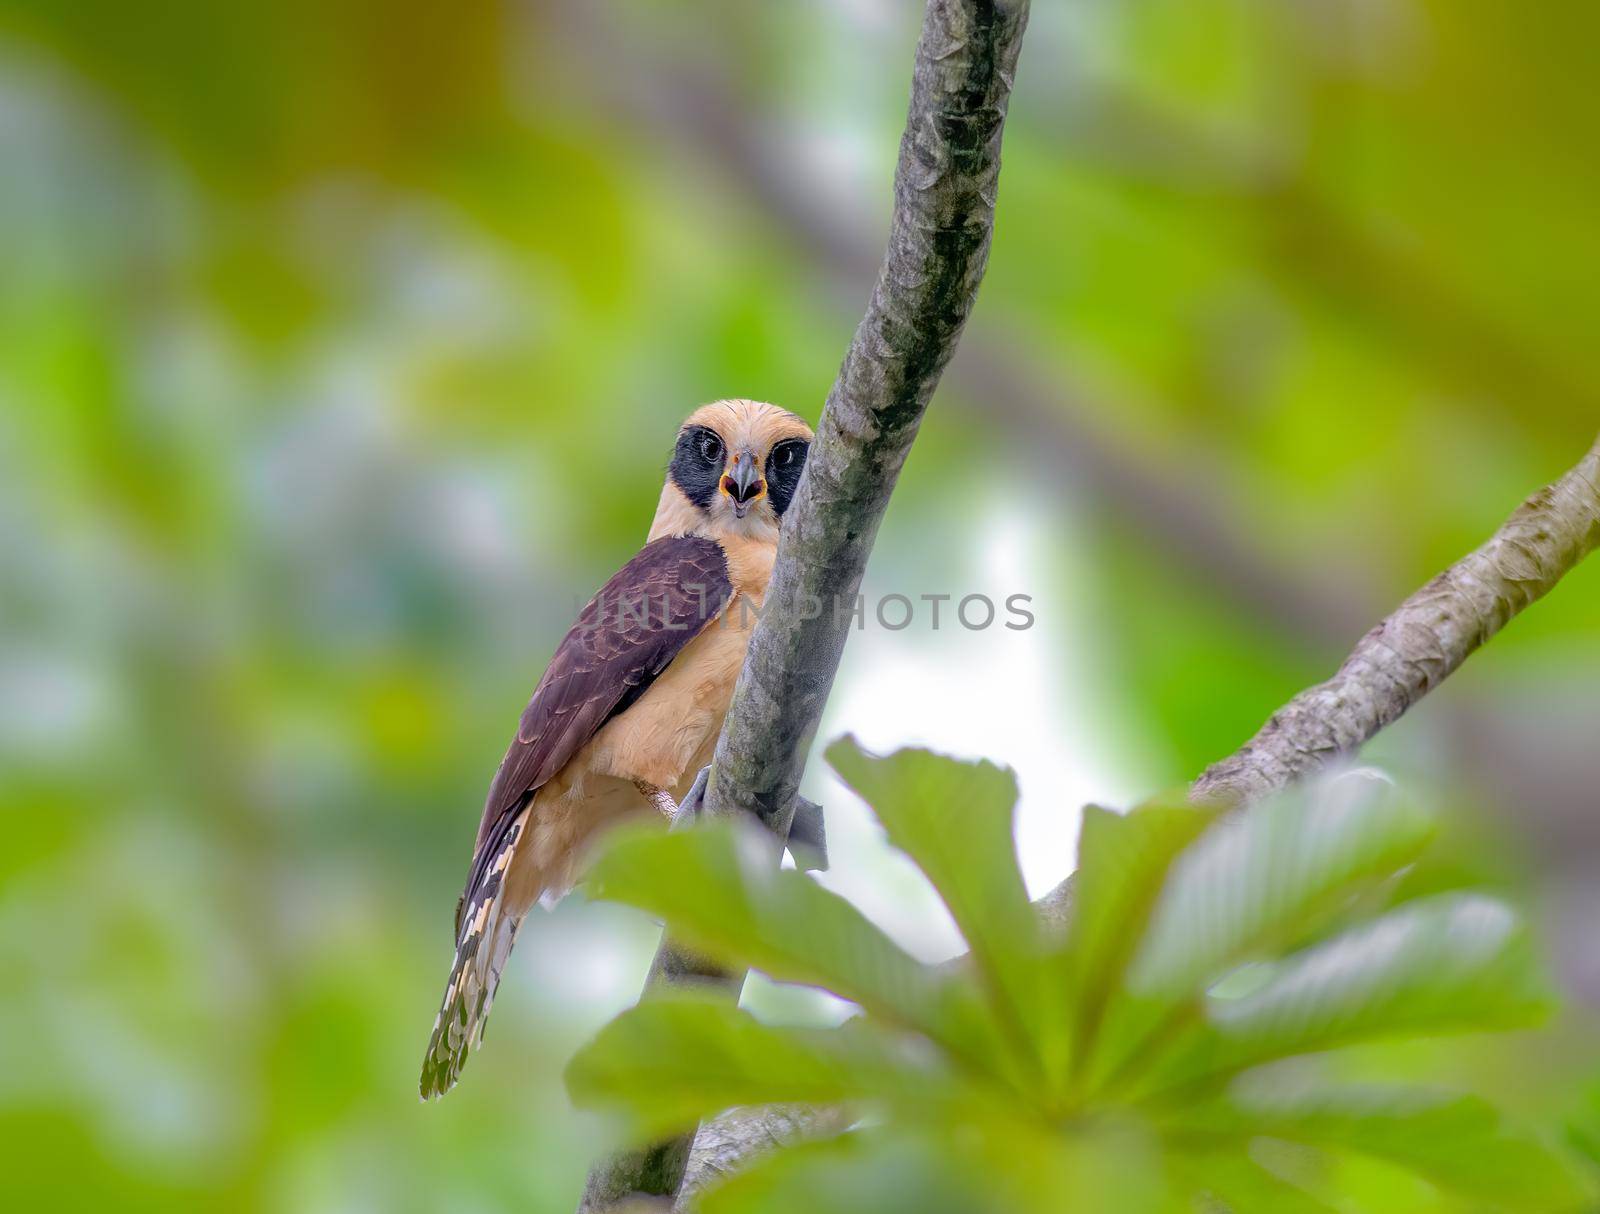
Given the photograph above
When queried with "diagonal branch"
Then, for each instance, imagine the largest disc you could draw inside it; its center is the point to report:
(938, 246)
(1394, 665)
(945, 186)
(1422, 642)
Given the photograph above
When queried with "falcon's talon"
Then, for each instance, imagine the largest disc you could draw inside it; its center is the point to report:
(808, 841)
(694, 801)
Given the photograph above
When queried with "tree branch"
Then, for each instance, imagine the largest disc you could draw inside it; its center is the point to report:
(1393, 666)
(945, 187)
(938, 246)
(1424, 640)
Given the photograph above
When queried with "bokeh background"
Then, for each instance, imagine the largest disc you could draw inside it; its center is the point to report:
(341, 348)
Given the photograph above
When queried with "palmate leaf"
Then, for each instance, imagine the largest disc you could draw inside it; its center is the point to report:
(1131, 1075)
(954, 819)
(719, 889)
(992, 1164)
(1260, 879)
(1458, 1142)
(1252, 883)
(858, 1173)
(677, 1058)
(1451, 963)
(1239, 1185)
(1123, 861)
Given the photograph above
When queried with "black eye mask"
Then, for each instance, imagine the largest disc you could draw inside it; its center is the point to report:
(785, 463)
(695, 474)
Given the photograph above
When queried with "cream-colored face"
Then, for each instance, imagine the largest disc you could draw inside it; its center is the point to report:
(734, 470)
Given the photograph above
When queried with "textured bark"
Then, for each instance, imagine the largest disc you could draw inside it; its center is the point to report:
(945, 186)
(1394, 665)
(728, 1142)
(1421, 642)
(938, 246)
(632, 1180)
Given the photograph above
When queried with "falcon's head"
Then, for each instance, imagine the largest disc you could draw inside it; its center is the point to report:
(733, 471)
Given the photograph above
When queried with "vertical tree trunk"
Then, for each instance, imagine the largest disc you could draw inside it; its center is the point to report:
(945, 188)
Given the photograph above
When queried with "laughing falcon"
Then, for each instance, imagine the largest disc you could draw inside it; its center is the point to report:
(630, 707)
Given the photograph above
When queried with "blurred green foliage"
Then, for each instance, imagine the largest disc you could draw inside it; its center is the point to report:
(1155, 1055)
(340, 348)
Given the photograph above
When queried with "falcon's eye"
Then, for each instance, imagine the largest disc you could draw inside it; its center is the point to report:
(710, 448)
(785, 455)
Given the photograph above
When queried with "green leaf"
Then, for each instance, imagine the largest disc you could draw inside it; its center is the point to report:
(1258, 880)
(1254, 882)
(720, 891)
(974, 1163)
(857, 1173)
(1089, 1069)
(1453, 963)
(675, 1059)
(954, 819)
(1458, 1142)
(1240, 1184)
(1123, 860)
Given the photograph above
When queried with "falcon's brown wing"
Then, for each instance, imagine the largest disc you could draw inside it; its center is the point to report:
(625, 636)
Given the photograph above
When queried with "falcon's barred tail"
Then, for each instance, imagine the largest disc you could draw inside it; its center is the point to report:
(485, 931)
